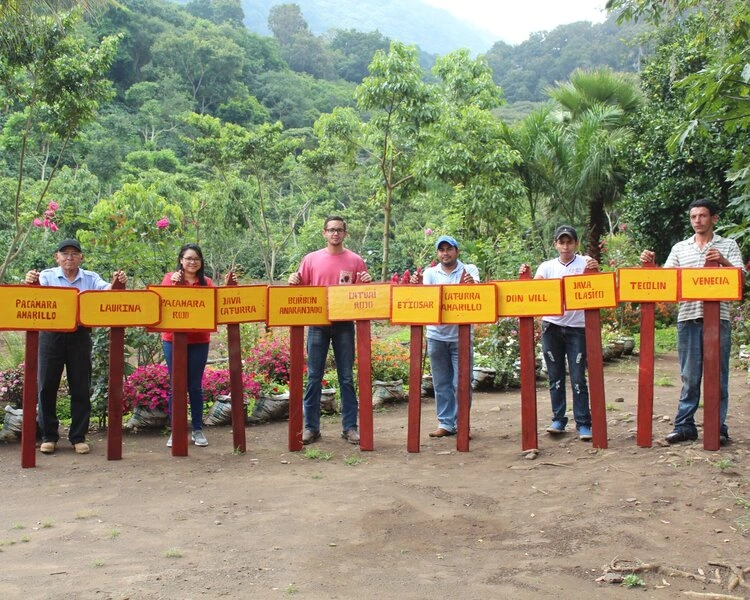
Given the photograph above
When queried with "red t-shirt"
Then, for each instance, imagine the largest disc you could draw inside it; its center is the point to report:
(198, 337)
(323, 268)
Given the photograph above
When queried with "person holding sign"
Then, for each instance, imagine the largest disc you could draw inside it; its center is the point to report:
(565, 336)
(190, 271)
(66, 350)
(442, 340)
(702, 247)
(332, 265)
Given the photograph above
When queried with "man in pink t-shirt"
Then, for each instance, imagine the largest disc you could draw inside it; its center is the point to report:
(332, 265)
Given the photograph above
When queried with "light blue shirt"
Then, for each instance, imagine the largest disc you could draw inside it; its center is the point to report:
(436, 276)
(84, 281)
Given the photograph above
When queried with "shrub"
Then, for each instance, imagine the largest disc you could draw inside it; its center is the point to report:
(269, 358)
(11, 386)
(216, 382)
(149, 387)
(390, 360)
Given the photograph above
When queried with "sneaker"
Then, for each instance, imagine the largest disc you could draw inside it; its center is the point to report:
(309, 436)
(169, 441)
(199, 438)
(584, 433)
(556, 427)
(48, 447)
(81, 448)
(351, 436)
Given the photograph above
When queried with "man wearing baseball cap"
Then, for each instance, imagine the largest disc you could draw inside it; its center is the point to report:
(442, 340)
(565, 336)
(66, 350)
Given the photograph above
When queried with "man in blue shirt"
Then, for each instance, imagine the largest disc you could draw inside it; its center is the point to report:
(71, 351)
(442, 340)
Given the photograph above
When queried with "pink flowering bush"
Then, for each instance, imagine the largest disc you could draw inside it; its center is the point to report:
(11, 386)
(162, 223)
(148, 387)
(216, 383)
(49, 215)
(269, 358)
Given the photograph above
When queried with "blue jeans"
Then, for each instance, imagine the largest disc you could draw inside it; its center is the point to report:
(197, 356)
(341, 335)
(444, 367)
(690, 353)
(557, 344)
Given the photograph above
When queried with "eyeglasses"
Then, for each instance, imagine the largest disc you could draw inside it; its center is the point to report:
(335, 230)
(70, 254)
(193, 259)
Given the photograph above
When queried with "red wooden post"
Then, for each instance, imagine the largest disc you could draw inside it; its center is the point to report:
(30, 396)
(464, 388)
(235, 382)
(364, 376)
(529, 420)
(646, 372)
(116, 378)
(595, 363)
(179, 394)
(296, 367)
(415, 389)
(711, 371)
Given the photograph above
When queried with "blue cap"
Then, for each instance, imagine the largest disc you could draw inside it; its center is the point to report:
(448, 239)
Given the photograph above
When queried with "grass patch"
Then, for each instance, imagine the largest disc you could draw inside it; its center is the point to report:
(663, 382)
(114, 534)
(85, 514)
(173, 553)
(47, 523)
(292, 589)
(353, 460)
(98, 563)
(317, 454)
(665, 340)
(25, 539)
(18, 526)
(316, 476)
(632, 581)
(611, 406)
(724, 464)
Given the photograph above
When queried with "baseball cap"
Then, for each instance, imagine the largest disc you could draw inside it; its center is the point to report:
(446, 238)
(69, 243)
(566, 230)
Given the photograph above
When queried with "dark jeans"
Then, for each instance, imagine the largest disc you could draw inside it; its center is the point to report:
(197, 356)
(341, 336)
(71, 351)
(557, 344)
(690, 353)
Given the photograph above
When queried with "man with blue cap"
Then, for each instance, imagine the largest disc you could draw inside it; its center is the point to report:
(442, 340)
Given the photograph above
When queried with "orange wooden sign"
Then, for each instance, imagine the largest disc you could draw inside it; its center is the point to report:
(711, 284)
(186, 308)
(596, 290)
(38, 308)
(416, 304)
(241, 304)
(361, 302)
(647, 285)
(119, 308)
(529, 298)
(297, 305)
(466, 304)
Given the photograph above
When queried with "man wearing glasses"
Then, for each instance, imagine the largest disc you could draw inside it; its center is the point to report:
(332, 265)
(71, 351)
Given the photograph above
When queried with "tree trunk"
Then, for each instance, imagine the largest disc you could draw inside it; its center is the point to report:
(596, 227)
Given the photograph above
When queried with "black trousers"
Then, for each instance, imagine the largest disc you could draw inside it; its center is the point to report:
(71, 351)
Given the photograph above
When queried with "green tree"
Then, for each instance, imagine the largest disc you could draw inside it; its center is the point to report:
(57, 84)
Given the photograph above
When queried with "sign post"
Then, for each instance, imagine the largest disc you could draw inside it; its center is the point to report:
(415, 305)
(235, 305)
(525, 299)
(591, 292)
(712, 285)
(183, 309)
(361, 303)
(295, 307)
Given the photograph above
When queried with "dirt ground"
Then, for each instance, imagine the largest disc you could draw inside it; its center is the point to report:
(389, 524)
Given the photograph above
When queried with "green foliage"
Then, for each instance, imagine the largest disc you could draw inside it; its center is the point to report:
(390, 360)
(497, 347)
(11, 386)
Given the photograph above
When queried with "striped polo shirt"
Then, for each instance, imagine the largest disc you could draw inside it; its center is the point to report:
(687, 254)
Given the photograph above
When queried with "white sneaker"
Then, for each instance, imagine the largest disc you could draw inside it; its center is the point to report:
(199, 438)
(169, 441)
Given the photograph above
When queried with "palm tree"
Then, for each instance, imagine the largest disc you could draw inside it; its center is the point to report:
(594, 109)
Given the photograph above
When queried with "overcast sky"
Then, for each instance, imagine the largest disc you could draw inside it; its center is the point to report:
(513, 20)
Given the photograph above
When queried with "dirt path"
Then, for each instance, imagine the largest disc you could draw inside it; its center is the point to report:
(386, 524)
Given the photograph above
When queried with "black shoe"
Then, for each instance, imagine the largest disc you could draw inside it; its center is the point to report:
(724, 439)
(680, 435)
